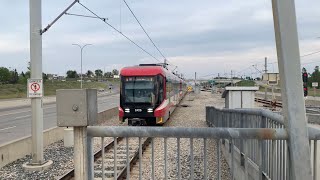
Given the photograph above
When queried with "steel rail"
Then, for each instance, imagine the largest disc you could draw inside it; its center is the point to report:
(70, 174)
(133, 160)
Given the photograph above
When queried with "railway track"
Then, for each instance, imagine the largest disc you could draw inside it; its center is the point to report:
(132, 151)
(269, 103)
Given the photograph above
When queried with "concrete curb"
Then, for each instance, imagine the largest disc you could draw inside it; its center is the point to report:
(47, 103)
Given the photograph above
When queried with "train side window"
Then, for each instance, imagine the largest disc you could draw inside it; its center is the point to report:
(161, 87)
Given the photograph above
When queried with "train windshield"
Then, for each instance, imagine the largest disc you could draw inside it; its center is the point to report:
(139, 90)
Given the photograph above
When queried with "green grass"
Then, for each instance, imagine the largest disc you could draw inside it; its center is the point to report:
(8, 91)
(245, 83)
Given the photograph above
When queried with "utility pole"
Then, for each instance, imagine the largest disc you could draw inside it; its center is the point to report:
(294, 110)
(195, 78)
(231, 79)
(265, 71)
(38, 162)
(265, 65)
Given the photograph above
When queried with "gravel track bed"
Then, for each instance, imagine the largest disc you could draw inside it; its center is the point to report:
(191, 116)
(61, 156)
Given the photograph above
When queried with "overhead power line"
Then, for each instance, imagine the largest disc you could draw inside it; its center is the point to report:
(310, 54)
(118, 31)
(143, 29)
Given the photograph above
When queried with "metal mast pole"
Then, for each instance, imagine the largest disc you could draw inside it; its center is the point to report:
(36, 73)
(81, 50)
(265, 65)
(285, 25)
(81, 68)
(265, 71)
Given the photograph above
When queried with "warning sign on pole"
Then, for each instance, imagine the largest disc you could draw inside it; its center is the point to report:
(35, 88)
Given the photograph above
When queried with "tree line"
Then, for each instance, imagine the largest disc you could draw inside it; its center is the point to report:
(11, 76)
(314, 76)
(90, 74)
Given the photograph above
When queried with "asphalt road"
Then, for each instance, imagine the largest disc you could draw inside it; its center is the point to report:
(16, 123)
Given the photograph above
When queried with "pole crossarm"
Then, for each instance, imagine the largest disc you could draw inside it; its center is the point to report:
(87, 16)
(57, 18)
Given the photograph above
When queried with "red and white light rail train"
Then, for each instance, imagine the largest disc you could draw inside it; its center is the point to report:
(149, 93)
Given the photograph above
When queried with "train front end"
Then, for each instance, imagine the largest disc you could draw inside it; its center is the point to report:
(140, 94)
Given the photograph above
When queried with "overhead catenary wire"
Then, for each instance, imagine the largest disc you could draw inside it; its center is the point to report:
(118, 31)
(143, 29)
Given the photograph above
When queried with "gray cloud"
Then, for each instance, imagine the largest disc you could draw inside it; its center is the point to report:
(206, 36)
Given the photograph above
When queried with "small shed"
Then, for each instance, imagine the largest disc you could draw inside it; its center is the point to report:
(239, 96)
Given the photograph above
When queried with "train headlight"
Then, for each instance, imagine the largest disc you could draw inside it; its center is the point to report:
(127, 110)
(150, 110)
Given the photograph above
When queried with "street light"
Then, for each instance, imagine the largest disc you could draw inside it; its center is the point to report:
(81, 49)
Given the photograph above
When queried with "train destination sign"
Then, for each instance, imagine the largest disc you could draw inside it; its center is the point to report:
(35, 88)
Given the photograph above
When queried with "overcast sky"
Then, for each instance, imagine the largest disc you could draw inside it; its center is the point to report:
(207, 36)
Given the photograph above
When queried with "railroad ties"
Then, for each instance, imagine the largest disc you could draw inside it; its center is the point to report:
(106, 160)
(269, 103)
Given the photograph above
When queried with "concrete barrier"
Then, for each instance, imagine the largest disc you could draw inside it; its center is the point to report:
(19, 148)
(107, 114)
(16, 149)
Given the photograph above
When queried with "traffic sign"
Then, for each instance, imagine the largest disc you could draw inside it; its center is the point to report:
(189, 88)
(314, 84)
(35, 88)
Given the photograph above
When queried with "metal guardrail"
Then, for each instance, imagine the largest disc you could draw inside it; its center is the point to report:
(271, 156)
(189, 133)
(255, 136)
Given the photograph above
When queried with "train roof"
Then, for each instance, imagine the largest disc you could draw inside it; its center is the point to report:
(147, 70)
(143, 71)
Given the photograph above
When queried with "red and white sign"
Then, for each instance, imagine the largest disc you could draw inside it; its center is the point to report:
(35, 88)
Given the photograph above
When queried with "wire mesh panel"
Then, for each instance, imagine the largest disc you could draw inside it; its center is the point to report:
(171, 152)
(269, 156)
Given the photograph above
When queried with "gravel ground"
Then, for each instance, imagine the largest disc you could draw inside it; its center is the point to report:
(191, 116)
(62, 160)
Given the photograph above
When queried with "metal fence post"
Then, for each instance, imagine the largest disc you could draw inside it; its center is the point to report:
(286, 34)
(80, 153)
(77, 108)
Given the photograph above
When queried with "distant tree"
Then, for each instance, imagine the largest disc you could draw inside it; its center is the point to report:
(14, 77)
(115, 72)
(29, 66)
(4, 75)
(23, 78)
(89, 73)
(315, 76)
(98, 72)
(28, 74)
(44, 76)
(72, 74)
(108, 74)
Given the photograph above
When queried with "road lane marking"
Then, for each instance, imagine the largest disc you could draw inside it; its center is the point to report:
(15, 113)
(22, 117)
(12, 113)
(7, 128)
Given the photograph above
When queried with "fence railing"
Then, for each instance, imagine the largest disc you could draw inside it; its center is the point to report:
(270, 156)
(176, 135)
